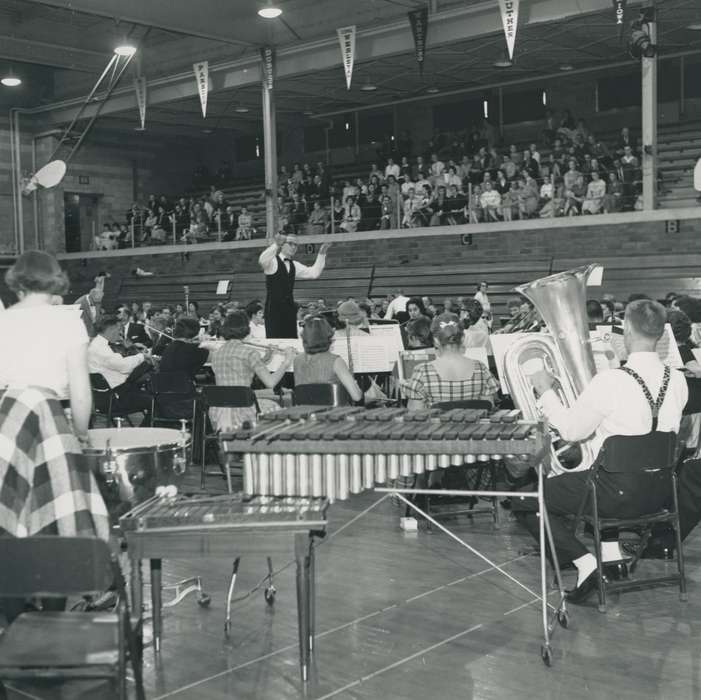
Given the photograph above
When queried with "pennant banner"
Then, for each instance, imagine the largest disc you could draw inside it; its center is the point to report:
(509, 18)
(619, 8)
(140, 87)
(346, 36)
(202, 76)
(419, 25)
(267, 56)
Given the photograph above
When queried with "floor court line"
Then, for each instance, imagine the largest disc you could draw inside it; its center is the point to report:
(321, 635)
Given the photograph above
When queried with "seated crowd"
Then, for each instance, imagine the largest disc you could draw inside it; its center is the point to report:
(457, 178)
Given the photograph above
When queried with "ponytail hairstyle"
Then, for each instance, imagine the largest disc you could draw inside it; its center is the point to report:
(447, 329)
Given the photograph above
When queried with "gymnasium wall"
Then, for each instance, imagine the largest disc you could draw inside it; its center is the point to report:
(624, 241)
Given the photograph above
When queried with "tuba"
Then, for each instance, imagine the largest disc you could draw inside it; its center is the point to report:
(565, 352)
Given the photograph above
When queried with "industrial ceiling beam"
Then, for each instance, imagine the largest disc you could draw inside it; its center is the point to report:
(313, 57)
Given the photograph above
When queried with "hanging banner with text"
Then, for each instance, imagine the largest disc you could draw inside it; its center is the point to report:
(140, 87)
(202, 76)
(267, 56)
(419, 26)
(346, 36)
(619, 8)
(509, 18)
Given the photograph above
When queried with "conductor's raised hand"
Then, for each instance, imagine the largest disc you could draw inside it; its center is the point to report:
(324, 248)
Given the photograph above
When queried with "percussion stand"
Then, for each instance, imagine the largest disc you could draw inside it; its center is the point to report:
(543, 462)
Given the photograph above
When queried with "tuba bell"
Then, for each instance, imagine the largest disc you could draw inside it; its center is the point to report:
(565, 352)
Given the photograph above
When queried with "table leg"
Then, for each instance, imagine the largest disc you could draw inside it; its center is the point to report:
(302, 557)
(156, 603)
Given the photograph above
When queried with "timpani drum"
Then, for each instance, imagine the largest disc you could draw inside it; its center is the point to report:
(133, 462)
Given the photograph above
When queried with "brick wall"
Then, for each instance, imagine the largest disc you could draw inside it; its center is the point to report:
(625, 240)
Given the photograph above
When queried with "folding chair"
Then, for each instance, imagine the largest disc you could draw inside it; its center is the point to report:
(65, 646)
(320, 395)
(105, 401)
(221, 397)
(632, 454)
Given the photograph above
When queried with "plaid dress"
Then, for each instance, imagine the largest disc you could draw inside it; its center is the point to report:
(426, 385)
(46, 485)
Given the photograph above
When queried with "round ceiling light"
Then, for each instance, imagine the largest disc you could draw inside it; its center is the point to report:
(125, 50)
(696, 26)
(270, 12)
(503, 62)
(566, 67)
(432, 90)
(242, 109)
(11, 81)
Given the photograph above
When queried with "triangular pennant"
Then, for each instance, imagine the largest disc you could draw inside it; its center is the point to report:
(418, 19)
(346, 35)
(509, 18)
(267, 55)
(619, 9)
(202, 76)
(140, 87)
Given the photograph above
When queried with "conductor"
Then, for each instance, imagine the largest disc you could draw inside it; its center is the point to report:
(281, 270)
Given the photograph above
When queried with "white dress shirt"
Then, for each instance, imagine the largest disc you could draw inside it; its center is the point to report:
(395, 306)
(110, 364)
(614, 404)
(268, 262)
(392, 170)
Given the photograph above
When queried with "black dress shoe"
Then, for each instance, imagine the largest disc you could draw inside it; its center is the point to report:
(578, 595)
(615, 570)
(659, 548)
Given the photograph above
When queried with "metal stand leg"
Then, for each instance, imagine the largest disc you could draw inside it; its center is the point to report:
(156, 603)
(302, 557)
(270, 589)
(312, 595)
(136, 585)
(546, 650)
(230, 595)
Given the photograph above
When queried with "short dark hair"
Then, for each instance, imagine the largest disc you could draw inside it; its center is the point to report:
(420, 328)
(236, 326)
(681, 325)
(186, 328)
(36, 271)
(474, 310)
(691, 306)
(253, 308)
(107, 321)
(317, 335)
(595, 312)
(647, 317)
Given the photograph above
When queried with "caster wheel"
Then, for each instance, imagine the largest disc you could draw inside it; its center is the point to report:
(269, 595)
(546, 653)
(563, 618)
(204, 600)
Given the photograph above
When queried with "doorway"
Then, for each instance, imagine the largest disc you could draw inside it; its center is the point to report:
(81, 221)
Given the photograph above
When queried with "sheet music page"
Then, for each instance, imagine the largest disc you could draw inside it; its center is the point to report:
(605, 356)
(666, 348)
(222, 287)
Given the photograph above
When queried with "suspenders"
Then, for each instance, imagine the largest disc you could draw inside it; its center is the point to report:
(654, 405)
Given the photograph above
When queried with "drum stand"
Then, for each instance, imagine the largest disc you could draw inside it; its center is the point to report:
(269, 592)
(183, 588)
(559, 612)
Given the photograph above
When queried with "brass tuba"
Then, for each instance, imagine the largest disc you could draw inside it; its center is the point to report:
(565, 352)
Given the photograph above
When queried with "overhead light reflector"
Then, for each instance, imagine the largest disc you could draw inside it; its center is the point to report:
(125, 50)
(10, 81)
(270, 12)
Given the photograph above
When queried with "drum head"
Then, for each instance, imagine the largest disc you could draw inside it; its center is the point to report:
(133, 438)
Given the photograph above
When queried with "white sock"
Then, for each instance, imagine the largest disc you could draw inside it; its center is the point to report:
(585, 565)
(610, 551)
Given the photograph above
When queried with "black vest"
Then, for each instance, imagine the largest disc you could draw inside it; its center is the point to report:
(280, 285)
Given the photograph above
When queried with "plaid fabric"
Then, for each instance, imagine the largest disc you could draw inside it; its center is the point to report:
(46, 486)
(426, 385)
(234, 364)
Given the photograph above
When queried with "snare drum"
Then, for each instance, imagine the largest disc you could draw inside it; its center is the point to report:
(134, 461)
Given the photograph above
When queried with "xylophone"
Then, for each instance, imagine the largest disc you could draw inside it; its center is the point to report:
(189, 527)
(336, 452)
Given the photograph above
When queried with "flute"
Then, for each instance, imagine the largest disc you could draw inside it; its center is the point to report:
(261, 346)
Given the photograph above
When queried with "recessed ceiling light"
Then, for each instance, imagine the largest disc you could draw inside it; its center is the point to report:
(696, 26)
(270, 12)
(368, 87)
(566, 66)
(125, 50)
(432, 90)
(242, 109)
(11, 81)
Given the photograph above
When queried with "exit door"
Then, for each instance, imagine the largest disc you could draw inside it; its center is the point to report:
(81, 221)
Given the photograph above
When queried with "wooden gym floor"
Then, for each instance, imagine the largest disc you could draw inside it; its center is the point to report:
(410, 616)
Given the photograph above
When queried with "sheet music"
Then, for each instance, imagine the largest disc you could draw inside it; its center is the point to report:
(222, 287)
(666, 348)
(501, 342)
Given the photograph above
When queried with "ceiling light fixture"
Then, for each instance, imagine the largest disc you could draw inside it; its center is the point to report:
(503, 61)
(368, 87)
(269, 11)
(242, 109)
(696, 26)
(11, 80)
(125, 49)
(432, 90)
(566, 67)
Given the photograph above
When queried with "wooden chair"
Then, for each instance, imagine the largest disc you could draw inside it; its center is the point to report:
(630, 454)
(220, 397)
(64, 646)
(320, 395)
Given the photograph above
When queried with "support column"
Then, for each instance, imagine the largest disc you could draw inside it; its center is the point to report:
(649, 135)
(270, 158)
